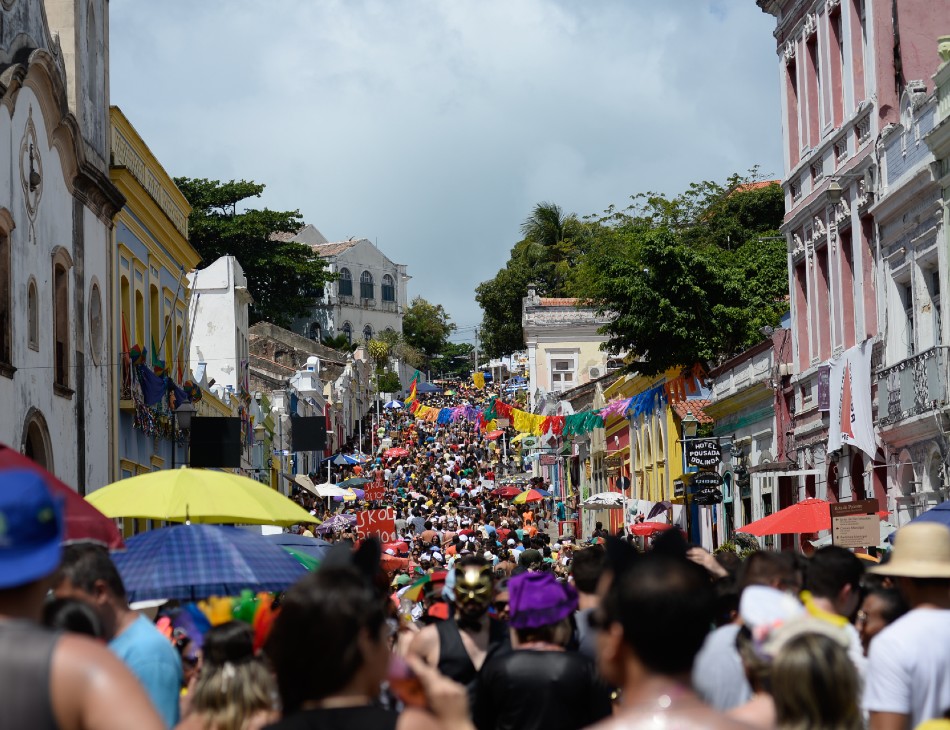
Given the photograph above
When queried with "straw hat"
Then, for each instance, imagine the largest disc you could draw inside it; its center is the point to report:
(921, 550)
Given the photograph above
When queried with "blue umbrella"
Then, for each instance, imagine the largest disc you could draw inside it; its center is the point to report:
(344, 460)
(191, 562)
(394, 404)
(312, 546)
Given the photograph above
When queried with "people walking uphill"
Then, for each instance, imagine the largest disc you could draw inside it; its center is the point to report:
(52, 680)
(458, 646)
(655, 614)
(562, 685)
(338, 615)
(908, 677)
(88, 574)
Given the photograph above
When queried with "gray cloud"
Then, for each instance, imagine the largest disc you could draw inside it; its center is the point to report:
(434, 126)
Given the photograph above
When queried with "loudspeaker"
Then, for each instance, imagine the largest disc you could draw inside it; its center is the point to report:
(308, 433)
(215, 442)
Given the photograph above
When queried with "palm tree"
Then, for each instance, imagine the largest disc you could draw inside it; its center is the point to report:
(340, 342)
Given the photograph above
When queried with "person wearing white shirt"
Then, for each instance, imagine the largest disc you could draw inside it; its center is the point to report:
(908, 677)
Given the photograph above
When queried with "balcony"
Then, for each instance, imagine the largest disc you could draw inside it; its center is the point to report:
(912, 386)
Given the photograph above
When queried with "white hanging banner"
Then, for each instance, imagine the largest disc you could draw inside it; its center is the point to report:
(851, 422)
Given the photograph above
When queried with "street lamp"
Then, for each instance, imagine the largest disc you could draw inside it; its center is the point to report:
(690, 425)
(181, 420)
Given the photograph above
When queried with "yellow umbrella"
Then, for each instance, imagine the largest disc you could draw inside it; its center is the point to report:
(198, 495)
(529, 495)
(519, 437)
(349, 495)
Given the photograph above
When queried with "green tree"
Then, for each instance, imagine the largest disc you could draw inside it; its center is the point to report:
(426, 327)
(690, 278)
(340, 342)
(281, 275)
(454, 360)
(548, 256)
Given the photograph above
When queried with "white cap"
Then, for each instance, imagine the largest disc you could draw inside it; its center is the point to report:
(437, 556)
(488, 555)
(510, 541)
(390, 551)
(463, 538)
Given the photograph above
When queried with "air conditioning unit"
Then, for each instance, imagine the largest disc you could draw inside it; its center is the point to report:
(595, 372)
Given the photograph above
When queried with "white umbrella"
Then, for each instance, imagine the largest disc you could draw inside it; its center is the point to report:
(605, 500)
(393, 404)
(327, 489)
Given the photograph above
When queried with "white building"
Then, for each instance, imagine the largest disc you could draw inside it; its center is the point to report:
(368, 298)
(563, 344)
(56, 210)
(219, 315)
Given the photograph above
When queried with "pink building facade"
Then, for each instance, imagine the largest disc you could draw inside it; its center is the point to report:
(848, 69)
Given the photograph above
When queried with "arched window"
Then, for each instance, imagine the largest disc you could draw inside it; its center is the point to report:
(61, 323)
(344, 286)
(366, 286)
(348, 331)
(367, 333)
(316, 333)
(33, 315)
(389, 289)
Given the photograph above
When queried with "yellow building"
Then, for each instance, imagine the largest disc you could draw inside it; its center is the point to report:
(151, 256)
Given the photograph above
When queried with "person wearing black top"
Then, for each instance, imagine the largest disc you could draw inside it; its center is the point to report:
(539, 685)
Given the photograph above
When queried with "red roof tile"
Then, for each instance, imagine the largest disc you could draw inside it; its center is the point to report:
(558, 301)
(696, 406)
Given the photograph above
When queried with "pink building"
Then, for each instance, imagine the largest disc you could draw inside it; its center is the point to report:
(845, 67)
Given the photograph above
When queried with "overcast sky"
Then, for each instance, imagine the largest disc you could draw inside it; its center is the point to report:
(433, 126)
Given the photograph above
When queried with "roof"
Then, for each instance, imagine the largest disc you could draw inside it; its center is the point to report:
(695, 406)
(332, 249)
(746, 187)
(559, 301)
(282, 236)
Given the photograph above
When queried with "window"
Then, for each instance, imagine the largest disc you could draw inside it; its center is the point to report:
(154, 318)
(6, 303)
(366, 286)
(907, 294)
(344, 286)
(793, 111)
(348, 331)
(95, 322)
(934, 288)
(61, 324)
(562, 373)
(316, 333)
(33, 315)
(389, 289)
(813, 91)
(367, 333)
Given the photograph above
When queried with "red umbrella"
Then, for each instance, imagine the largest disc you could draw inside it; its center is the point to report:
(396, 547)
(83, 521)
(506, 492)
(810, 515)
(646, 529)
(395, 452)
(492, 435)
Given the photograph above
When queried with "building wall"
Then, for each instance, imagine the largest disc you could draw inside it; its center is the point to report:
(838, 65)
(219, 312)
(333, 311)
(150, 289)
(66, 425)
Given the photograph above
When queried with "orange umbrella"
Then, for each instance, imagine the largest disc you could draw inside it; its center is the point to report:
(810, 515)
(646, 529)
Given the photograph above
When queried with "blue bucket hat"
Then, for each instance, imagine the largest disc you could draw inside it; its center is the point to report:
(31, 528)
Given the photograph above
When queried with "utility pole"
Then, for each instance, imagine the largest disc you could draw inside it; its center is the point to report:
(475, 366)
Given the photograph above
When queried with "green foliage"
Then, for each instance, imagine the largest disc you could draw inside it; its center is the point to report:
(454, 360)
(388, 345)
(691, 278)
(389, 383)
(340, 342)
(426, 327)
(279, 273)
(548, 256)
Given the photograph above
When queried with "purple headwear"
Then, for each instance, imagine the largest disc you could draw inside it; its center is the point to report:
(538, 599)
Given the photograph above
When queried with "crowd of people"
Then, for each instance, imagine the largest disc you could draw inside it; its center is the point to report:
(477, 613)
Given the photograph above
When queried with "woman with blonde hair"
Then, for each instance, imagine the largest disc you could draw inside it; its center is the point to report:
(815, 685)
(234, 690)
